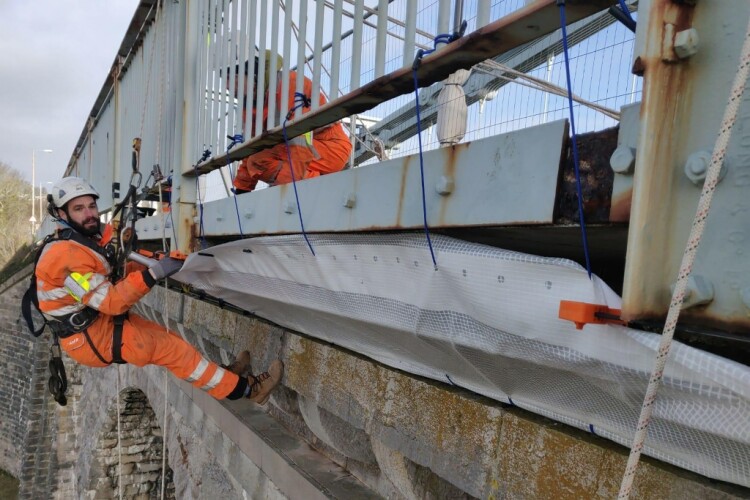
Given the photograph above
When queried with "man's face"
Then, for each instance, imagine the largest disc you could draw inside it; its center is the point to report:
(84, 212)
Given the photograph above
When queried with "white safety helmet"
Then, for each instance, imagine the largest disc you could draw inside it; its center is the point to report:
(68, 188)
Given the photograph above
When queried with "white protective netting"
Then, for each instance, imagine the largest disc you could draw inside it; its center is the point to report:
(487, 320)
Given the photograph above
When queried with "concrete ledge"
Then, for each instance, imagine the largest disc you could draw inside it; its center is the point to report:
(292, 465)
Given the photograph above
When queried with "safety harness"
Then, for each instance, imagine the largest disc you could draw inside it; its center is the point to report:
(71, 324)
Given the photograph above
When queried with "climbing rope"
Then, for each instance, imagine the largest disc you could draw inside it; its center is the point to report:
(119, 438)
(443, 38)
(686, 266)
(576, 164)
(166, 328)
(300, 101)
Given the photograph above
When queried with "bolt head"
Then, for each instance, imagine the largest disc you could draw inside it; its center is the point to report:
(445, 185)
(686, 43)
(350, 200)
(696, 167)
(622, 160)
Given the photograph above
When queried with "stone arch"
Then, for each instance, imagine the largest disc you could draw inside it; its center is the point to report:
(141, 450)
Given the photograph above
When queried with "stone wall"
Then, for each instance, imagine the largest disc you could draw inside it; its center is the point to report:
(21, 396)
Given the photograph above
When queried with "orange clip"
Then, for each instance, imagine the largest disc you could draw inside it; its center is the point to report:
(176, 254)
(582, 313)
(146, 253)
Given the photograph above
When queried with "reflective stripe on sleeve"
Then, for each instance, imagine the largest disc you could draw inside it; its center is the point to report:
(54, 294)
(218, 375)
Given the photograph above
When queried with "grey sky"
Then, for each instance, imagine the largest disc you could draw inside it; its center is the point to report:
(54, 57)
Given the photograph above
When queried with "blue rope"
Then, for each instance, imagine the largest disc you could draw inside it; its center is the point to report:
(584, 236)
(236, 139)
(301, 101)
(625, 9)
(206, 155)
(421, 171)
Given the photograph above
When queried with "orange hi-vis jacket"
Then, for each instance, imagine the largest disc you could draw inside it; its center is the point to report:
(70, 276)
(329, 152)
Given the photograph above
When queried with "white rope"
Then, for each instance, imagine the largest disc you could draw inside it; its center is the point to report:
(119, 439)
(166, 327)
(696, 232)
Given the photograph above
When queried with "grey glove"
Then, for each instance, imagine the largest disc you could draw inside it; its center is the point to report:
(165, 268)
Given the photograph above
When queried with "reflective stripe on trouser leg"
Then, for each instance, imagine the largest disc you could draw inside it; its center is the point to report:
(146, 342)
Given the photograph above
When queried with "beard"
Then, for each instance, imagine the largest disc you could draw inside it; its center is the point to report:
(89, 227)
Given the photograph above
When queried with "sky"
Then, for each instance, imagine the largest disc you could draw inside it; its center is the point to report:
(54, 58)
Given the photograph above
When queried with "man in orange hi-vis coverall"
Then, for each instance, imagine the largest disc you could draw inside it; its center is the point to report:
(89, 313)
(328, 152)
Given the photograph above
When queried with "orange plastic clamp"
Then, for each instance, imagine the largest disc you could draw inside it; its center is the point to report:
(583, 313)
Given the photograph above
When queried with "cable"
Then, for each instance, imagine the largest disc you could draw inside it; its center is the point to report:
(300, 101)
(579, 192)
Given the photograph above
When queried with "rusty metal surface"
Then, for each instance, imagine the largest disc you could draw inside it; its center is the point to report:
(594, 149)
(681, 111)
(524, 25)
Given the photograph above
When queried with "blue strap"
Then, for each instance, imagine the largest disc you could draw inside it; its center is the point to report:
(235, 139)
(301, 100)
(625, 9)
(584, 236)
(443, 38)
(421, 172)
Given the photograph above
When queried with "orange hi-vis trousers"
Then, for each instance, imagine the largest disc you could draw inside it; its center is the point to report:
(147, 343)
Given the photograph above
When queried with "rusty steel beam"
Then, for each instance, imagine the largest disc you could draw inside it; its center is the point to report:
(685, 89)
(522, 26)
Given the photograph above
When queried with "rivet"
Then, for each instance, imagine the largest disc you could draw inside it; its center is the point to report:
(350, 200)
(445, 185)
(686, 43)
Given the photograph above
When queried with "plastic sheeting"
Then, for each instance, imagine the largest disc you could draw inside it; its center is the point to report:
(487, 320)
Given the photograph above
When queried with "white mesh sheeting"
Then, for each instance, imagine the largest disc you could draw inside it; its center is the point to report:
(487, 321)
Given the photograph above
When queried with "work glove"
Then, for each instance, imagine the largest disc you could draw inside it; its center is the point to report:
(165, 268)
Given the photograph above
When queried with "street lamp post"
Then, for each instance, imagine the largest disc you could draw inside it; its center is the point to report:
(33, 191)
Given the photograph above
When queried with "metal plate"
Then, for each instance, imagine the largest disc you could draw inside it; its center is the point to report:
(502, 180)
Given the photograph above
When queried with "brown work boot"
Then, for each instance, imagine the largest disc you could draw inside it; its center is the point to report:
(262, 384)
(241, 364)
